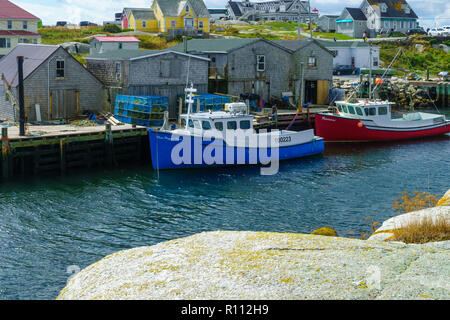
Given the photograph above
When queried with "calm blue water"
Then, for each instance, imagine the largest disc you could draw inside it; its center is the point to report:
(50, 224)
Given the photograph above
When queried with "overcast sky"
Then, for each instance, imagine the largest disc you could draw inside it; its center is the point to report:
(431, 12)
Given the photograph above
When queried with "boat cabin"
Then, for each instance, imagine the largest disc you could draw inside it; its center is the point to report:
(365, 110)
(219, 121)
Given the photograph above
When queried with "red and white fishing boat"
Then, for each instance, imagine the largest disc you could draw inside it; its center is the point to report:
(371, 120)
(358, 120)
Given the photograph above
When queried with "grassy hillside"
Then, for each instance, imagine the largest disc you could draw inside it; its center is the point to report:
(276, 30)
(58, 35)
(419, 54)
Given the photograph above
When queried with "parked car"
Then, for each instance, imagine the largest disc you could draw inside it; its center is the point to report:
(416, 31)
(437, 32)
(345, 69)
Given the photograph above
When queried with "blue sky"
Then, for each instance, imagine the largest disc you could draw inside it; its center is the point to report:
(432, 12)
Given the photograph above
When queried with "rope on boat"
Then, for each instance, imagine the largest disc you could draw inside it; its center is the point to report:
(296, 115)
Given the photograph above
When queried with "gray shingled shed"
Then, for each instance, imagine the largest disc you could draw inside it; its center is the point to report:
(53, 79)
(149, 72)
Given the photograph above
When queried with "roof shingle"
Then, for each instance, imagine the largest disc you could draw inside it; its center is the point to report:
(9, 10)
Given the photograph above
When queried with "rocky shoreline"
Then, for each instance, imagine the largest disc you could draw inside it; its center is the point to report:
(400, 91)
(270, 266)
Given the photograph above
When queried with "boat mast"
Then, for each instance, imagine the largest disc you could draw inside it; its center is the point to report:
(189, 101)
(370, 71)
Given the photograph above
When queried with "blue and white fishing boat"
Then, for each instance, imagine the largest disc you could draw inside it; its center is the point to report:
(224, 138)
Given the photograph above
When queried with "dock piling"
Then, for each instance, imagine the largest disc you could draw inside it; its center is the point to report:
(62, 153)
(5, 153)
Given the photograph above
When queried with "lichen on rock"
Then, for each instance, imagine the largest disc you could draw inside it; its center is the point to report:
(326, 231)
(445, 201)
(226, 265)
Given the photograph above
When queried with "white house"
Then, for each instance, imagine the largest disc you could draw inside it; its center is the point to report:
(105, 44)
(353, 53)
(377, 17)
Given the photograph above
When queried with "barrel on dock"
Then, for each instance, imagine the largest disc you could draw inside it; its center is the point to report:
(147, 111)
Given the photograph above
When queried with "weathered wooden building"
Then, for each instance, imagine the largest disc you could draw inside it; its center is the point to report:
(327, 23)
(266, 68)
(56, 85)
(148, 72)
(244, 66)
(311, 70)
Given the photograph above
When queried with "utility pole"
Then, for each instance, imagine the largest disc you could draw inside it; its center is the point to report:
(21, 97)
(310, 21)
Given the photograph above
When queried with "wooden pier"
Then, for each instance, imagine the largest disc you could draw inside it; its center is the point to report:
(305, 120)
(61, 148)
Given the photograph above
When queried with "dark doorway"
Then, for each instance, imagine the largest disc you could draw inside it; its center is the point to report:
(311, 92)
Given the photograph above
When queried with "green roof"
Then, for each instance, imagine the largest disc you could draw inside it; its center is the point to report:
(122, 54)
(213, 45)
(343, 44)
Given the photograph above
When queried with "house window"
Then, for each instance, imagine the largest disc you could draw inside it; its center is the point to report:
(312, 62)
(144, 24)
(411, 25)
(5, 43)
(375, 61)
(383, 7)
(9, 24)
(402, 24)
(118, 70)
(173, 23)
(164, 69)
(25, 25)
(200, 24)
(386, 25)
(260, 63)
(187, 8)
(394, 25)
(60, 69)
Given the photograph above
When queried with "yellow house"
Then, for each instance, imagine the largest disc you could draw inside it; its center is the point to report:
(139, 19)
(188, 15)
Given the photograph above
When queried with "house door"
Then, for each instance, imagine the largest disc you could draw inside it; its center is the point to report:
(64, 104)
(311, 92)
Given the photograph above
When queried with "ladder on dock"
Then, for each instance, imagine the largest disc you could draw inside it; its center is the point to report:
(11, 96)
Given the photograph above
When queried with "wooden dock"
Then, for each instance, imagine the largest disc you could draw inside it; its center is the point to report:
(306, 119)
(60, 148)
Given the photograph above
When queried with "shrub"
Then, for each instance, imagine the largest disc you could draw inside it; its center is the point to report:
(415, 201)
(396, 34)
(424, 231)
(112, 28)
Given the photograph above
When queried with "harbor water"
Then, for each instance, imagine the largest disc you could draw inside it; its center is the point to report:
(51, 227)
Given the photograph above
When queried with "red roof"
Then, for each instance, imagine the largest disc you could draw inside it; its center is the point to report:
(9, 10)
(17, 33)
(117, 39)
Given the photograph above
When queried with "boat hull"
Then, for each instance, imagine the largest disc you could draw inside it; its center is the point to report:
(339, 129)
(162, 146)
